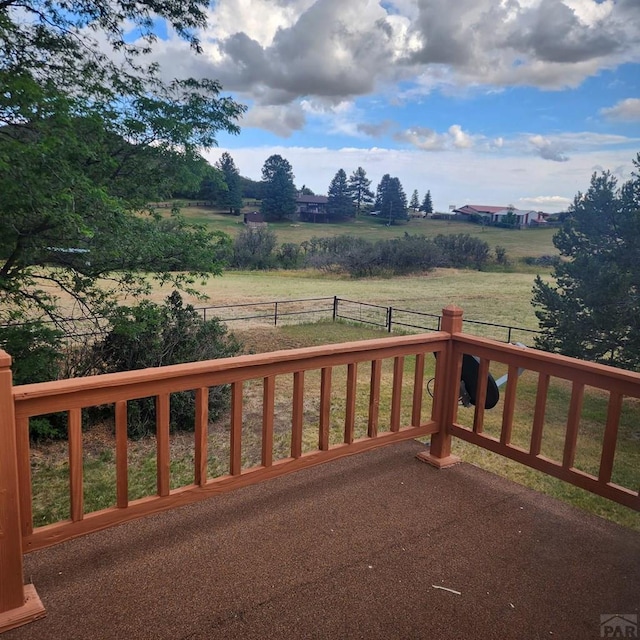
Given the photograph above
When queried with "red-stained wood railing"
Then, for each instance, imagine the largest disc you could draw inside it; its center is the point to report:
(75, 394)
(616, 382)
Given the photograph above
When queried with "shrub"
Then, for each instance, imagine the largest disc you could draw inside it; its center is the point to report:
(151, 335)
(462, 250)
(35, 349)
(253, 248)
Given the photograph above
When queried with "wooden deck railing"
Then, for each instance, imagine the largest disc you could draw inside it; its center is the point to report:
(18, 535)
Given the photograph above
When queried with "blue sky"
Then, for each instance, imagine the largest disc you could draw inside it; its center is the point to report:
(479, 101)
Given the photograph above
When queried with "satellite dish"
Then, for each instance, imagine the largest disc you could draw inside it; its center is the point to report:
(469, 383)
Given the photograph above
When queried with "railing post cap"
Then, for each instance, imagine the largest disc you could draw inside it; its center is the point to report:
(452, 310)
(5, 360)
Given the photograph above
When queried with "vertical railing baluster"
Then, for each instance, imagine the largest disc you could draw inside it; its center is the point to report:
(122, 463)
(201, 435)
(396, 392)
(297, 414)
(235, 464)
(374, 398)
(75, 464)
(614, 411)
(418, 382)
(163, 458)
(481, 396)
(350, 409)
(509, 405)
(573, 422)
(325, 408)
(268, 405)
(539, 413)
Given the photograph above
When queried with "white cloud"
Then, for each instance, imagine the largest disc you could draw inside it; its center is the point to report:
(429, 140)
(276, 52)
(626, 111)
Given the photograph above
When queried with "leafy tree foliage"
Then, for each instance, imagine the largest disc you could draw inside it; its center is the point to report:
(279, 192)
(340, 205)
(592, 310)
(391, 200)
(85, 140)
(359, 190)
(415, 201)
(231, 196)
(427, 205)
(305, 191)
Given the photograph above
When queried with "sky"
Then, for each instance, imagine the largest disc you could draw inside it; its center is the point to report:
(494, 102)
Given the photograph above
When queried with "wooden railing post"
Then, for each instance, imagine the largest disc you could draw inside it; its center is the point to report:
(19, 604)
(446, 394)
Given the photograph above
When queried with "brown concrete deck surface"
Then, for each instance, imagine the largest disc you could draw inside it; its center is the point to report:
(350, 549)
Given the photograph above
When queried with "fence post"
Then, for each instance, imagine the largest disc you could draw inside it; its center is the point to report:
(389, 320)
(335, 307)
(275, 315)
(447, 392)
(19, 603)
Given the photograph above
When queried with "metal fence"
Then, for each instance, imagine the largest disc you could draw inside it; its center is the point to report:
(287, 312)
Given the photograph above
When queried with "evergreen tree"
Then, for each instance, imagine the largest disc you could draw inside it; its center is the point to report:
(592, 310)
(415, 202)
(391, 200)
(231, 196)
(340, 205)
(359, 189)
(279, 192)
(427, 205)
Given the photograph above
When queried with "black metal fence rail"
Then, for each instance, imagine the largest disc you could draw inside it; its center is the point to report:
(276, 312)
(282, 312)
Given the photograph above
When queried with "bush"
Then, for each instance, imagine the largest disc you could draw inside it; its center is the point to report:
(253, 248)
(151, 335)
(462, 250)
(35, 350)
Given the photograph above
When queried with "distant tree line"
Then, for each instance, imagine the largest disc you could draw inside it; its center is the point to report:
(347, 196)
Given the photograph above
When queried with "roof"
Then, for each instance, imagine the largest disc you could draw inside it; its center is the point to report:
(377, 545)
(312, 199)
(479, 208)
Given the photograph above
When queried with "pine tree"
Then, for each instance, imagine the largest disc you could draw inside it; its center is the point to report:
(391, 200)
(231, 197)
(415, 202)
(592, 310)
(427, 205)
(340, 205)
(279, 193)
(359, 189)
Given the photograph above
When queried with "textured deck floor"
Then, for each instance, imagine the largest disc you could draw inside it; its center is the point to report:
(351, 549)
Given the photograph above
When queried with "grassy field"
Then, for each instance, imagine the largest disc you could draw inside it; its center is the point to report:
(50, 462)
(518, 243)
(503, 298)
